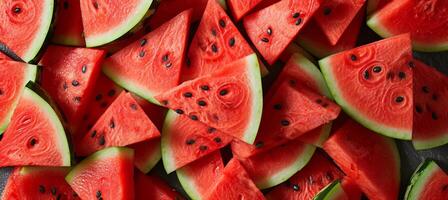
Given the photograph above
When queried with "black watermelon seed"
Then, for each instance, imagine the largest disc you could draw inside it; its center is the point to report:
(102, 140)
(214, 48)
(1, 136)
(103, 104)
(327, 11)
(366, 75)
(111, 93)
(112, 123)
(353, 57)
(295, 15)
(402, 75)
(33, 142)
(211, 130)
(222, 23)
(259, 144)
(232, 42)
(205, 87)
(223, 92)
(84, 69)
(203, 147)
(425, 89)
(217, 140)
(298, 21)
(165, 102)
(66, 5)
(179, 111)
(194, 117)
(411, 64)
(17, 9)
(98, 194)
(377, 69)
(53, 191)
(190, 141)
(95, 4)
(202, 103)
(143, 42)
(284, 122)
(165, 58)
(168, 65)
(188, 94)
(77, 99)
(65, 86)
(434, 116)
(329, 176)
(41, 189)
(214, 32)
(277, 106)
(266, 40)
(141, 54)
(98, 97)
(435, 97)
(93, 134)
(418, 109)
(399, 99)
(295, 187)
(75, 83)
(133, 106)
(269, 31)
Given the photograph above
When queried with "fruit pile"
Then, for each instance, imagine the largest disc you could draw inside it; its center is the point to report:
(226, 94)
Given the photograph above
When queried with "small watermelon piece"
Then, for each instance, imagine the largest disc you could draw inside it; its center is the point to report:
(185, 140)
(30, 21)
(234, 183)
(428, 182)
(375, 5)
(116, 126)
(306, 183)
(15, 76)
(334, 191)
(240, 8)
(273, 28)
(152, 187)
(159, 56)
(431, 111)
(294, 48)
(68, 75)
(35, 136)
(364, 156)
(215, 98)
(379, 76)
(98, 25)
(216, 43)
(147, 154)
(425, 21)
(108, 173)
(68, 29)
(38, 183)
(199, 176)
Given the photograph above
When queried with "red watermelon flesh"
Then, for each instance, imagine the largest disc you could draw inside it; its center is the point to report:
(159, 56)
(431, 111)
(375, 5)
(429, 181)
(68, 75)
(371, 160)
(234, 183)
(334, 16)
(152, 187)
(68, 28)
(156, 113)
(146, 154)
(116, 126)
(108, 173)
(306, 183)
(216, 43)
(38, 183)
(294, 48)
(273, 28)
(240, 8)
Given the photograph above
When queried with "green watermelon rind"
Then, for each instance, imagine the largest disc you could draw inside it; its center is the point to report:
(151, 162)
(324, 134)
(289, 171)
(123, 28)
(32, 170)
(188, 185)
(365, 121)
(167, 155)
(430, 143)
(330, 191)
(420, 178)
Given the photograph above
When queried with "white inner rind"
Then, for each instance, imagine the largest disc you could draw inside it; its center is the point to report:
(256, 89)
(419, 180)
(167, 155)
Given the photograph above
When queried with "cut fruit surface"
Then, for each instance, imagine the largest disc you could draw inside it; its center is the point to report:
(428, 182)
(241, 8)
(152, 187)
(375, 5)
(147, 154)
(68, 29)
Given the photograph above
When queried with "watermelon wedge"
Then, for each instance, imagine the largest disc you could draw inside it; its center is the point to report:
(147, 154)
(428, 182)
(236, 88)
(377, 75)
(431, 111)
(294, 48)
(117, 127)
(273, 28)
(28, 20)
(15, 76)
(68, 28)
(425, 21)
(107, 174)
(38, 183)
(152, 187)
(241, 8)
(35, 136)
(369, 159)
(334, 191)
(159, 56)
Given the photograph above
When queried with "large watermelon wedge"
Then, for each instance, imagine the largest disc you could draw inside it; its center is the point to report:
(152, 187)
(24, 26)
(428, 182)
(68, 29)
(378, 76)
(273, 28)
(424, 20)
(153, 63)
(35, 135)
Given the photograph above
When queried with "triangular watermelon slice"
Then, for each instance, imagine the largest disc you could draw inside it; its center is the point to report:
(147, 154)
(35, 136)
(273, 28)
(377, 75)
(151, 187)
(229, 100)
(68, 29)
(107, 174)
(240, 8)
(152, 64)
(117, 127)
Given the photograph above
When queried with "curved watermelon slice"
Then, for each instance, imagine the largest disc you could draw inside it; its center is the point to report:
(425, 21)
(28, 20)
(198, 177)
(35, 136)
(428, 182)
(373, 84)
(159, 56)
(431, 111)
(240, 8)
(108, 173)
(152, 187)
(38, 183)
(68, 28)
(273, 28)
(214, 99)
(369, 159)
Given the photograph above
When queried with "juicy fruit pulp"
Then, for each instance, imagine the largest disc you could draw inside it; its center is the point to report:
(151, 187)
(428, 182)
(241, 8)
(68, 29)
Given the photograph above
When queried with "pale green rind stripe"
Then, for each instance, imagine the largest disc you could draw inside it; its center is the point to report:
(188, 185)
(330, 192)
(155, 158)
(167, 155)
(257, 99)
(430, 143)
(420, 178)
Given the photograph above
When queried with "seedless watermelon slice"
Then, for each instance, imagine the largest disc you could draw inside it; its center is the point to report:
(229, 100)
(429, 181)
(68, 28)
(373, 84)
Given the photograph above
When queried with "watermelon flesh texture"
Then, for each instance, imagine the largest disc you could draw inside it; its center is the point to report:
(159, 55)
(379, 76)
(429, 181)
(306, 183)
(35, 136)
(271, 39)
(116, 126)
(38, 183)
(216, 43)
(30, 21)
(241, 8)
(152, 187)
(424, 20)
(234, 183)
(147, 154)
(68, 28)
(364, 156)
(68, 76)
(185, 140)
(351, 189)
(375, 5)
(431, 111)
(215, 99)
(199, 176)
(15, 76)
(92, 176)
(294, 48)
